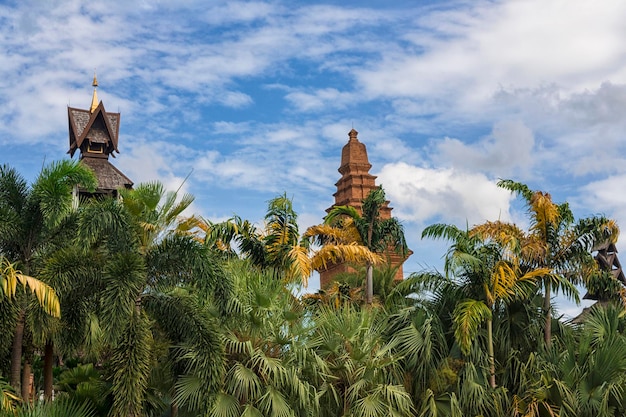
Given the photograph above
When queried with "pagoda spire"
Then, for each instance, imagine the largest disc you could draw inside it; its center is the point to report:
(353, 187)
(94, 98)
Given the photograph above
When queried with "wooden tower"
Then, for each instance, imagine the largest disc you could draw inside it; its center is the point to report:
(95, 133)
(354, 185)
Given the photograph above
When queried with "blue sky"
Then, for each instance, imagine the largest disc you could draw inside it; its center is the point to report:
(257, 98)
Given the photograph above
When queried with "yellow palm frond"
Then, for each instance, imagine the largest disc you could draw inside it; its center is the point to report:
(503, 280)
(333, 254)
(300, 264)
(333, 234)
(546, 212)
(534, 249)
(44, 293)
(506, 234)
(613, 229)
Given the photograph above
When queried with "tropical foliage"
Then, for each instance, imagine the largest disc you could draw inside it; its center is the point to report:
(134, 307)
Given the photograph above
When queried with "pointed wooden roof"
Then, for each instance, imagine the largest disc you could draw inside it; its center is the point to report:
(82, 121)
(95, 133)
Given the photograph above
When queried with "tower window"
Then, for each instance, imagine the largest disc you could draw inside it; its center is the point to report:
(95, 147)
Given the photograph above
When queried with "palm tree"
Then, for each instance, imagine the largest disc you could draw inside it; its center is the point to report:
(358, 371)
(46, 297)
(377, 234)
(274, 248)
(157, 283)
(417, 335)
(563, 247)
(581, 374)
(32, 225)
(325, 244)
(266, 352)
(487, 273)
(279, 248)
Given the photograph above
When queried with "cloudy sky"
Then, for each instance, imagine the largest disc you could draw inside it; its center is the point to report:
(256, 98)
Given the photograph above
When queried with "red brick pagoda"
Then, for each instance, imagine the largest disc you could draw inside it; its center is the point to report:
(354, 185)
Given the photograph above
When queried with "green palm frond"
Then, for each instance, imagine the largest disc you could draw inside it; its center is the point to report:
(124, 277)
(237, 347)
(469, 315)
(190, 392)
(157, 212)
(370, 406)
(243, 383)
(251, 411)
(274, 403)
(57, 409)
(131, 361)
(225, 406)
(338, 212)
(517, 188)
(53, 187)
(443, 231)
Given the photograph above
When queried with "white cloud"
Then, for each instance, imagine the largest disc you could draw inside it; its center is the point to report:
(605, 197)
(319, 99)
(506, 151)
(423, 195)
(238, 12)
(475, 50)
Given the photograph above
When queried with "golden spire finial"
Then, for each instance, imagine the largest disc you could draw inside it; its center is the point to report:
(94, 99)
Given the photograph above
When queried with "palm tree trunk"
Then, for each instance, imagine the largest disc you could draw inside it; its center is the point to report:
(492, 362)
(369, 284)
(48, 359)
(16, 351)
(26, 371)
(547, 308)
(369, 279)
(174, 404)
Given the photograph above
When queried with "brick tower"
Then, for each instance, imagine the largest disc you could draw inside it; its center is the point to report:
(95, 133)
(354, 185)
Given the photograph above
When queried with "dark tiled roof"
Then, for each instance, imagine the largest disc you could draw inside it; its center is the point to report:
(109, 177)
(80, 118)
(82, 123)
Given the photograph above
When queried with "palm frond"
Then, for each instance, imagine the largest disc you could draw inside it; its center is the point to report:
(53, 187)
(469, 315)
(353, 253)
(225, 406)
(131, 361)
(46, 296)
(517, 188)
